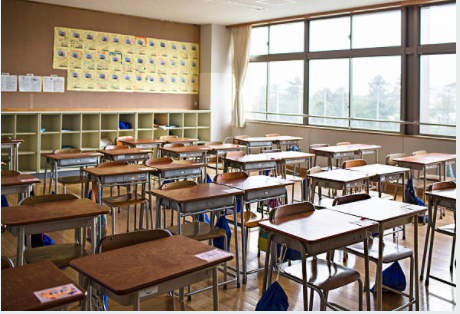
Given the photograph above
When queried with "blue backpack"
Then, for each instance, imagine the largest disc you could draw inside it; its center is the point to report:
(219, 242)
(411, 197)
(274, 299)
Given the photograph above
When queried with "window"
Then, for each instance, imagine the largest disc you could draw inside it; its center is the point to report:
(438, 93)
(329, 93)
(382, 29)
(438, 24)
(255, 90)
(285, 38)
(259, 41)
(330, 34)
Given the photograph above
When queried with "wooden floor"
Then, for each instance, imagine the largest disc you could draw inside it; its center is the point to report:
(435, 297)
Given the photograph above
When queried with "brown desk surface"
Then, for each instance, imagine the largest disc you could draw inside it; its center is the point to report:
(257, 183)
(426, 158)
(127, 151)
(70, 156)
(346, 148)
(380, 210)
(20, 283)
(197, 192)
(181, 140)
(186, 149)
(144, 141)
(289, 155)
(257, 139)
(135, 267)
(17, 179)
(179, 164)
(117, 170)
(287, 138)
(252, 158)
(50, 211)
(449, 194)
(340, 175)
(223, 146)
(316, 226)
(12, 141)
(378, 169)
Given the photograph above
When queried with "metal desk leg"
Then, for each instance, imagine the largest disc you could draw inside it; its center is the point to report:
(158, 213)
(45, 175)
(427, 236)
(56, 177)
(378, 280)
(215, 290)
(432, 233)
(424, 185)
(243, 239)
(304, 279)
(236, 243)
(93, 235)
(366, 279)
(267, 261)
(136, 302)
(416, 273)
(20, 247)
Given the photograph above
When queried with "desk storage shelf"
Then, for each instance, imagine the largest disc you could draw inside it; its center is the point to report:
(84, 129)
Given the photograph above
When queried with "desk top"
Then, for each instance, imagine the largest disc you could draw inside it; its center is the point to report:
(20, 283)
(287, 138)
(139, 266)
(12, 141)
(224, 146)
(182, 140)
(143, 141)
(317, 225)
(447, 194)
(197, 192)
(340, 175)
(186, 149)
(117, 170)
(378, 169)
(126, 151)
(252, 158)
(270, 139)
(289, 155)
(50, 211)
(19, 179)
(426, 158)
(346, 148)
(254, 183)
(379, 210)
(179, 164)
(71, 155)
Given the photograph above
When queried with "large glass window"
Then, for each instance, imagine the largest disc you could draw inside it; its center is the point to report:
(328, 94)
(330, 34)
(438, 93)
(382, 29)
(285, 38)
(255, 90)
(438, 24)
(259, 41)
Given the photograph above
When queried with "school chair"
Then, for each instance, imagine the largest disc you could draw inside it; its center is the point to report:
(174, 145)
(429, 177)
(238, 153)
(389, 160)
(239, 137)
(272, 135)
(121, 138)
(340, 160)
(70, 180)
(6, 263)
(212, 159)
(174, 186)
(322, 202)
(157, 161)
(392, 252)
(59, 254)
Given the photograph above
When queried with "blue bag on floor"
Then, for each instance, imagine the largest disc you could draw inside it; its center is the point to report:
(393, 277)
(274, 299)
(219, 242)
(5, 201)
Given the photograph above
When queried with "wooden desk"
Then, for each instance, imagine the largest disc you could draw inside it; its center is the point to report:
(425, 162)
(189, 151)
(21, 184)
(183, 140)
(139, 272)
(145, 143)
(12, 146)
(286, 140)
(253, 162)
(447, 198)
(291, 157)
(122, 176)
(256, 189)
(256, 142)
(130, 154)
(384, 173)
(26, 220)
(347, 151)
(201, 198)
(220, 150)
(20, 283)
(56, 161)
(179, 170)
(314, 233)
(388, 214)
(339, 179)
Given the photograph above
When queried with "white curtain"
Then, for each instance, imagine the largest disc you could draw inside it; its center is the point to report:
(240, 59)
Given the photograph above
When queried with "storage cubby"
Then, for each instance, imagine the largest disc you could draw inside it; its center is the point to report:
(176, 119)
(8, 124)
(29, 146)
(177, 132)
(158, 133)
(204, 135)
(148, 134)
(27, 163)
(50, 123)
(190, 133)
(127, 117)
(108, 135)
(70, 139)
(144, 121)
(109, 122)
(190, 120)
(161, 118)
(71, 122)
(90, 140)
(26, 123)
(204, 119)
(90, 122)
(50, 142)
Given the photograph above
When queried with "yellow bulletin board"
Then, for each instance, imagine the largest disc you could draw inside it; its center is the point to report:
(105, 62)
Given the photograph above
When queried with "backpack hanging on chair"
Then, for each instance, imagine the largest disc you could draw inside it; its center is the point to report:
(219, 242)
(411, 196)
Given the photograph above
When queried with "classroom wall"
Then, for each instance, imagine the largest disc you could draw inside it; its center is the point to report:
(27, 47)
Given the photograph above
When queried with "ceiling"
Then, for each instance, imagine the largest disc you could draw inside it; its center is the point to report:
(224, 12)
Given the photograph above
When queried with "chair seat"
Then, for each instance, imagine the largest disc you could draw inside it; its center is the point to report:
(162, 303)
(59, 254)
(72, 180)
(434, 177)
(324, 275)
(291, 178)
(124, 199)
(391, 251)
(384, 195)
(251, 219)
(199, 231)
(449, 229)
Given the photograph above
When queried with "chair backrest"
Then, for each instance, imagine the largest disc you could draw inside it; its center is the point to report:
(158, 161)
(239, 137)
(272, 135)
(168, 137)
(173, 145)
(343, 143)
(111, 147)
(178, 185)
(214, 143)
(291, 210)
(316, 169)
(113, 163)
(350, 198)
(122, 138)
(313, 146)
(419, 152)
(5, 138)
(10, 173)
(353, 163)
(272, 151)
(389, 160)
(121, 240)
(235, 154)
(6, 263)
(48, 198)
(223, 178)
(442, 186)
(67, 151)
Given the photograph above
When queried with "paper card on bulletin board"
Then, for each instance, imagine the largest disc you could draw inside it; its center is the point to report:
(152, 45)
(128, 63)
(89, 59)
(162, 48)
(88, 80)
(173, 84)
(184, 67)
(9, 83)
(61, 37)
(53, 84)
(30, 83)
(75, 59)
(150, 66)
(128, 45)
(194, 68)
(139, 82)
(141, 45)
(74, 79)
(114, 81)
(116, 43)
(194, 51)
(151, 83)
(162, 66)
(89, 40)
(173, 49)
(183, 51)
(115, 61)
(139, 63)
(102, 60)
(183, 84)
(60, 58)
(103, 42)
(127, 82)
(173, 68)
(193, 86)
(162, 84)
(76, 39)
(102, 80)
